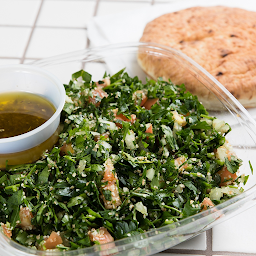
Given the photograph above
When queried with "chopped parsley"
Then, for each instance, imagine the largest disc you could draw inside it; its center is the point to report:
(130, 157)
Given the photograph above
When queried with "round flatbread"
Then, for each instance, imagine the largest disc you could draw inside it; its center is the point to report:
(220, 39)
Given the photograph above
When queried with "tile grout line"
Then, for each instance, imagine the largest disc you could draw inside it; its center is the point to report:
(208, 251)
(129, 1)
(229, 253)
(41, 26)
(94, 14)
(209, 242)
(203, 252)
(31, 33)
(96, 8)
(87, 39)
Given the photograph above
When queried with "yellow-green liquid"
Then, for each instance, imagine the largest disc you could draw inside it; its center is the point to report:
(21, 112)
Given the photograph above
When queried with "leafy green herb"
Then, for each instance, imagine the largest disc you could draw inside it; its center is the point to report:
(107, 172)
(233, 164)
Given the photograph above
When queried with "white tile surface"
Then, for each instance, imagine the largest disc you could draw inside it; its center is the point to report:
(236, 234)
(72, 13)
(64, 72)
(9, 61)
(174, 254)
(166, 1)
(196, 243)
(28, 61)
(50, 42)
(106, 8)
(13, 41)
(136, 1)
(17, 12)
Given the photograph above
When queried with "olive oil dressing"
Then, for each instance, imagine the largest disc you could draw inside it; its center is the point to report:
(21, 112)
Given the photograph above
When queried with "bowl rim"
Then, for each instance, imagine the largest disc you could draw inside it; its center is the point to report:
(41, 71)
(86, 56)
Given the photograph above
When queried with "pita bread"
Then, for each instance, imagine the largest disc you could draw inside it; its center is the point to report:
(220, 39)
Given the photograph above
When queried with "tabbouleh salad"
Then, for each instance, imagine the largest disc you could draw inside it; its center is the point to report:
(131, 157)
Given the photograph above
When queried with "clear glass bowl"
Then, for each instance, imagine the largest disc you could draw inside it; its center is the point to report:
(243, 138)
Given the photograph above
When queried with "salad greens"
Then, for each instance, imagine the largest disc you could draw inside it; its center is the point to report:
(131, 156)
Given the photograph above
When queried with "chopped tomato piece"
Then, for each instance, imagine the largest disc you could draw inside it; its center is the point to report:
(106, 82)
(139, 97)
(109, 175)
(53, 240)
(100, 235)
(227, 177)
(67, 148)
(97, 94)
(149, 103)
(7, 231)
(97, 137)
(25, 218)
(123, 118)
(179, 163)
(207, 203)
(110, 178)
(149, 128)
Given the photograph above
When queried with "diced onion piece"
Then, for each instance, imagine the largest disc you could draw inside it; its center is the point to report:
(220, 126)
(141, 208)
(208, 121)
(221, 153)
(166, 152)
(225, 151)
(163, 141)
(129, 139)
(180, 188)
(217, 193)
(68, 99)
(81, 165)
(95, 133)
(111, 125)
(179, 119)
(150, 173)
(177, 127)
(106, 145)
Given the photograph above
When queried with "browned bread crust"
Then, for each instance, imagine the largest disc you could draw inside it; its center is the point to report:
(220, 39)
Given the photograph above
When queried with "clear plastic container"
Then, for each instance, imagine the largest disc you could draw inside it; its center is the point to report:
(243, 138)
(29, 146)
